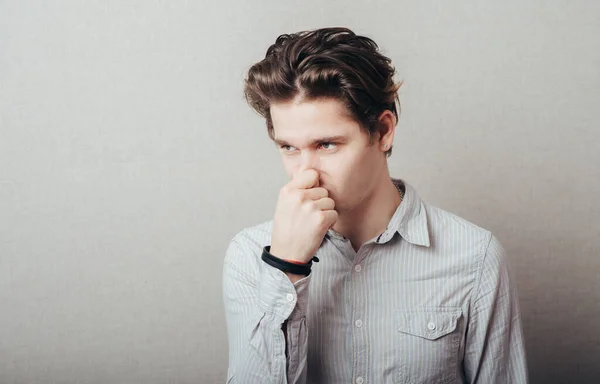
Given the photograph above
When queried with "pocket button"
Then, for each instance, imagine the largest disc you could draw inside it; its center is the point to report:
(431, 326)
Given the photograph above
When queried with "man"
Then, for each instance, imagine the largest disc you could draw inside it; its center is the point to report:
(403, 292)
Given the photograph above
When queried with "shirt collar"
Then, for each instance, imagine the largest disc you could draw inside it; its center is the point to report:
(409, 219)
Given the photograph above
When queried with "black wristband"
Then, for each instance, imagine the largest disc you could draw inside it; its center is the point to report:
(286, 266)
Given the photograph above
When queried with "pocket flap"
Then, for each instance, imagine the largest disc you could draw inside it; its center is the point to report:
(429, 323)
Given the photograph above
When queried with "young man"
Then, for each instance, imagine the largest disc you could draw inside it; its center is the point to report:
(403, 292)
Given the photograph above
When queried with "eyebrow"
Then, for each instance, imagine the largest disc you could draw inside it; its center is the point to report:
(327, 139)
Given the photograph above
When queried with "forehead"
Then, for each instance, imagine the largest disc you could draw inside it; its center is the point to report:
(311, 119)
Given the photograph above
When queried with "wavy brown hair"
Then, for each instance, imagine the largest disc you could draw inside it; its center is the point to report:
(327, 62)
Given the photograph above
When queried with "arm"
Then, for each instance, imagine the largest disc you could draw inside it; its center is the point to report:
(259, 301)
(495, 351)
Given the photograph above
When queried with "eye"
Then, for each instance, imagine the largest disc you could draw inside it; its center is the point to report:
(287, 148)
(328, 145)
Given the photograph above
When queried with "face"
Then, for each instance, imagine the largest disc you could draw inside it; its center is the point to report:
(321, 134)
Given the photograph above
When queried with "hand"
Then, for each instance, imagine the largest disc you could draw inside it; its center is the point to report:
(303, 214)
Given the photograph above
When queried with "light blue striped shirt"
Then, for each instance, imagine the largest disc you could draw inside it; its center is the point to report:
(429, 300)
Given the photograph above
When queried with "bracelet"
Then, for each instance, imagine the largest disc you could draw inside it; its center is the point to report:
(287, 266)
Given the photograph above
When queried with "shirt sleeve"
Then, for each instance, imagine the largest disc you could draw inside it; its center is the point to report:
(259, 301)
(495, 350)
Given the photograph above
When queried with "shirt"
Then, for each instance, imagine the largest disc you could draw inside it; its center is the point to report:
(429, 300)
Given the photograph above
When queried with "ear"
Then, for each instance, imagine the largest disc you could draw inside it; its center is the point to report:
(387, 128)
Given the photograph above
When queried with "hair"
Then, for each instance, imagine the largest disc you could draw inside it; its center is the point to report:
(325, 63)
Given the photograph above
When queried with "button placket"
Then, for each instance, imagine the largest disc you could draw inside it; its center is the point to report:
(360, 342)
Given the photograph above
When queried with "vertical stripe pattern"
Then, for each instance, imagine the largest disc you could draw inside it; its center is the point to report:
(429, 300)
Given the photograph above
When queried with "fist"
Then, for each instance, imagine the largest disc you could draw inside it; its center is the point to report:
(303, 214)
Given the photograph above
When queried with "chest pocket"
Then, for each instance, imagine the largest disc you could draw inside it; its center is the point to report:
(430, 340)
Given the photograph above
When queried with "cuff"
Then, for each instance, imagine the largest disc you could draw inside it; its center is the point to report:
(279, 298)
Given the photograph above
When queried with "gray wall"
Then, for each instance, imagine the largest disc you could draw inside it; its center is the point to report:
(128, 159)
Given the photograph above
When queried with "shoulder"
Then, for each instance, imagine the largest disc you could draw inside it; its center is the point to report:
(475, 249)
(450, 225)
(449, 230)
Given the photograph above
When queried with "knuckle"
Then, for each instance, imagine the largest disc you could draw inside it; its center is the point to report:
(298, 197)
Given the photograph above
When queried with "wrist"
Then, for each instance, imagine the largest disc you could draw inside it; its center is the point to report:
(289, 256)
(294, 261)
(293, 267)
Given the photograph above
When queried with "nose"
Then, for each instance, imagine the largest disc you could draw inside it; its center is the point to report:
(308, 160)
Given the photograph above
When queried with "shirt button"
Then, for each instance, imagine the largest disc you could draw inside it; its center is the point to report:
(358, 323)
(360, 380)
(431, 326)
(358, 268)
(290, 297)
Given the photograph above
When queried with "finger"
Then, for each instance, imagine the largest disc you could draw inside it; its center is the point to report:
(306, 179)
(331, 217)
(316, 193)
(324, 204)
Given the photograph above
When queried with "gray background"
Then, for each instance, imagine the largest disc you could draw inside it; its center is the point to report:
(128, 160)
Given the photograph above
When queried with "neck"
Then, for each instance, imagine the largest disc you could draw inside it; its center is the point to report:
(371, 217)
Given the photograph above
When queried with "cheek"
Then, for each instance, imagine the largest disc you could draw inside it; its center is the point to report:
(289, 166)
(353, 178)
(331, 169)
(337, 175)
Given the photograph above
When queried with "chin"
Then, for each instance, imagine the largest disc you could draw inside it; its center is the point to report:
(342, 203)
